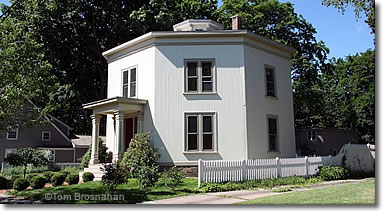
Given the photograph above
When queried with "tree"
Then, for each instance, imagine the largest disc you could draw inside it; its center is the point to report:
(366, 6)
(28, 156)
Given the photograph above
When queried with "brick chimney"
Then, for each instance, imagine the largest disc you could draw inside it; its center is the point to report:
(236, 22)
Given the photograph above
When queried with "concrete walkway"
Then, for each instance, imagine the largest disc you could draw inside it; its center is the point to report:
(231, 197)
(7, 199)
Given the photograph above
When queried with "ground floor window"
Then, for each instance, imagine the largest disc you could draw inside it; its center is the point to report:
(200, 132)
(272, 133)
(9, 151)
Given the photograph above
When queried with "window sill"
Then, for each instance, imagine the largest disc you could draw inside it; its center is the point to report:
(201, 152)
(271, 97)
(200, 93)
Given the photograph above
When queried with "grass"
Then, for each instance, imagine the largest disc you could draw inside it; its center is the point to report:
(130, 192)
(362, 193)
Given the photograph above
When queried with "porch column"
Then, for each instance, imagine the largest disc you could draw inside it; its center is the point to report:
(119, 141)
(95, 133)
(140, 123)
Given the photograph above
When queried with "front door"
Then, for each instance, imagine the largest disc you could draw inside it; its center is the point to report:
(129, 131)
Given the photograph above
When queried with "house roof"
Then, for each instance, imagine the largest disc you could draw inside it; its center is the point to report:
(324, 129)
(199, 34)
(85, 140)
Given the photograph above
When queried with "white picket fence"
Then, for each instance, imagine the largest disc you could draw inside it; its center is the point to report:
(241, 170)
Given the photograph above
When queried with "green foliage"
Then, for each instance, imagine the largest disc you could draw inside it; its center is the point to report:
(28, 156)
(30, 176)
(19, 170)
(173, 177)
(103, 155)
(58, 179)
(141, 158)
(3, 182)
(72, 179)
(20, 184)
(48, 175)
(218, 187)
(114, 175)
(87, 176)
(281, 190)
(38, 182)
(332, 173)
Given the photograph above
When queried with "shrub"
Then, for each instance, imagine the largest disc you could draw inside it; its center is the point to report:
(38, 182)
(218, 187)
(48, 175)
(103, 155)
(141, 158)
(332, 173)
(173, 177)
(114, 175)
(20, 184)
(87, 176)
(30, 176)
(3, 182)
(14, 177)
(72, 179)
(57, 179)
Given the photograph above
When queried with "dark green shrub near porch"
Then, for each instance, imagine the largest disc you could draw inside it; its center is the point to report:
(38, 182)
(20, 184)
(3, 183)
(30, 176)
(87, 177)
(72, 179)
(332, 173)
(58, 179)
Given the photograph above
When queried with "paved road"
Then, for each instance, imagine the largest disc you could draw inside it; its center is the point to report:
(6, 199)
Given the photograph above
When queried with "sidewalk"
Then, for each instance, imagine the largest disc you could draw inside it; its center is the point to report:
(231, 197)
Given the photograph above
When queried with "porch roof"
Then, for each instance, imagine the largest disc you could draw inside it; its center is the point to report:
(116, 104)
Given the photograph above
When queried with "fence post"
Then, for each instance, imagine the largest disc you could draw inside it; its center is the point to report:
(199, 172)
(306, 166)
(279, 170)
(244, 171)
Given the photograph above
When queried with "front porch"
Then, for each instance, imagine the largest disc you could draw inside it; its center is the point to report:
(128, 119)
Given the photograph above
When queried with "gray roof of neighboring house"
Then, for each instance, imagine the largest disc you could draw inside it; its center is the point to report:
(85, 140)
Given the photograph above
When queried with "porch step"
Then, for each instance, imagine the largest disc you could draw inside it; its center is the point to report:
(95, 169)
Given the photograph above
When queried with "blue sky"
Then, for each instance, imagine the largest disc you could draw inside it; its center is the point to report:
(342, 34)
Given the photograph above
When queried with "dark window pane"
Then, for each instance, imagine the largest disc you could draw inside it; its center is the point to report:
(192, 84)
(46, 136)
(192, 69)
(308, 135)
(11, 134)
(125, 91)
(206, 69)
(272, 142)
(192, 124)
(207, 142)
(207, 86)
(207, 124)
(192, 142)
(133, 75)
(132, 89)
(125, 77)
(313, 135)
(272, 126)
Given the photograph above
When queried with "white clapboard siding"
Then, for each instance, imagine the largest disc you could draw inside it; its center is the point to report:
(218, 171)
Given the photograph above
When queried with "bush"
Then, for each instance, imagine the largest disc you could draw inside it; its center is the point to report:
(218, 187)
(87, 176)
(115, 174)
(3, 182)
(19, 170)
(38, 182)
(20, 184)
(141, 158)
(103, 155)
(48, 175)
(30, 176)
(72, 179)
(332, 173)
(173, 177)
(57, 179)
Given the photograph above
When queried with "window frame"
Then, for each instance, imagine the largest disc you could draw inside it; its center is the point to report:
(310, 136)
(274, 80)
(199, 76)
(129, 83)
(269, 116)
(7, 150)
(12, 139)
(42, 135)
(200, 133)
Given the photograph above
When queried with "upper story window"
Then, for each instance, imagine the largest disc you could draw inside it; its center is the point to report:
(129, 82)
(46, 136)
(311, 135)
(12, 134)
(270, 81)
(272, 133)
(199, 77)
(200, 132)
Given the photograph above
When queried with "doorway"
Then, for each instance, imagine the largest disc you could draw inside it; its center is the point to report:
(130, 130)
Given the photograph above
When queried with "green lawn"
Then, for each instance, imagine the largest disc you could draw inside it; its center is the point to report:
(363, 193)
(130, 191)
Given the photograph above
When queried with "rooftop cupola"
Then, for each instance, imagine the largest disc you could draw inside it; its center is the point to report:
(198, 25)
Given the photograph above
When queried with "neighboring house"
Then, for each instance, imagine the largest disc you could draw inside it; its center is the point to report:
(202, 92)
(322, 142)
(53, 136)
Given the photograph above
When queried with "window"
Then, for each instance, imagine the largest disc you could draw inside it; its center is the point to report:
(311, 135)
(12, 134)
(46, 136)
(272, 133)
(200, 132)
(270, 81)
(199, 76)
(129, 82)
(9, 151)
